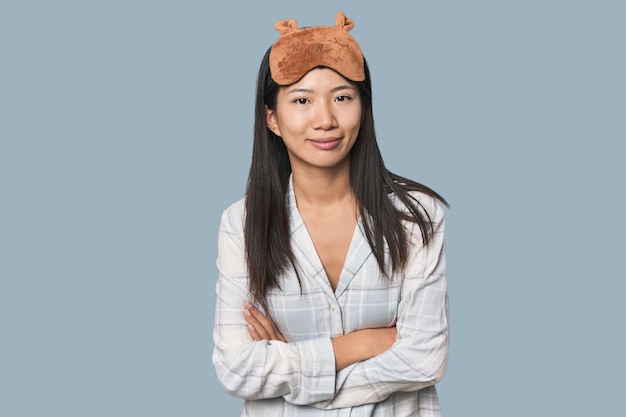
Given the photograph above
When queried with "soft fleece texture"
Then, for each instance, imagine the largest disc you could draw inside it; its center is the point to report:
(298, 51)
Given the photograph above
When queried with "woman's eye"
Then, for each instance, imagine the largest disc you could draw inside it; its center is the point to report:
(301, 101)
(343, 98)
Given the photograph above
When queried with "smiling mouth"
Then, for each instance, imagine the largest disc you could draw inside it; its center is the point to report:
(326, 143)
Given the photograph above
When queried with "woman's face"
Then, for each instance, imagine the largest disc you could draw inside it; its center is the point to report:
(318, 119)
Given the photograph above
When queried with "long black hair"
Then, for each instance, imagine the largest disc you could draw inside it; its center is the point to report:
(266, 230)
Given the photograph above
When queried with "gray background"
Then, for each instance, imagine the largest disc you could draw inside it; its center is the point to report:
(125, 130)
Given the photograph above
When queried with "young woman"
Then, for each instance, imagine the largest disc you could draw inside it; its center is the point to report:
(331, 297)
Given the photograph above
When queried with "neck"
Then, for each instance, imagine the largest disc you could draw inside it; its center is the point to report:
(317, 188)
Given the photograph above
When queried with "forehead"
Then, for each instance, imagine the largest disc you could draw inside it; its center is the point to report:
(320, 79)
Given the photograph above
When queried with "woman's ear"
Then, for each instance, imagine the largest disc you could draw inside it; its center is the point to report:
(270, 120)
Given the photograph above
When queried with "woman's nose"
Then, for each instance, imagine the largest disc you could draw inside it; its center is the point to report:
(323, 116)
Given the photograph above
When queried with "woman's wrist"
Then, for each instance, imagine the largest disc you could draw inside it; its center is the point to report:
(352, 348)
(361, 345)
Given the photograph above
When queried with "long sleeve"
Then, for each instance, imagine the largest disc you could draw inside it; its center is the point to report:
(302, 372)
(418, 359)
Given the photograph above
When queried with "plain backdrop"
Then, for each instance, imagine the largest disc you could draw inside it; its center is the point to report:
(126, 129)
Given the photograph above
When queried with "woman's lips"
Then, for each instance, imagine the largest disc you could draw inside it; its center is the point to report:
(326, 144)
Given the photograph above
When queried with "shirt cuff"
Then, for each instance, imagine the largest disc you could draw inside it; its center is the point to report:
(317, 372)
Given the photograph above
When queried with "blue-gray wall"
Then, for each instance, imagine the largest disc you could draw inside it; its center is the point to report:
(125, 130)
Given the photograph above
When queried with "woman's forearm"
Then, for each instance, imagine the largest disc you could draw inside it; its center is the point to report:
(362, 345)
(349, 349)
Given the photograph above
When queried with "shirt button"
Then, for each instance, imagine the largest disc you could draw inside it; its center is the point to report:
(333, 308)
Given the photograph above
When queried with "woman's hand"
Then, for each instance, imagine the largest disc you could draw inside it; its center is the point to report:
(260, 327)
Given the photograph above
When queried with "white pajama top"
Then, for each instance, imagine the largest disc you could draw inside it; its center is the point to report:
(298, 378)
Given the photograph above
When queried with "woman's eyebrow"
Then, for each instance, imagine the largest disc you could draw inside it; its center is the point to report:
(342, 87)
(332, 90)
(299, 90)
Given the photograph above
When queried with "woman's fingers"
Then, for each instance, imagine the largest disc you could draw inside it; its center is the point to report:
(255, 334)
(260, 326)
(252, 328)
(255, 327)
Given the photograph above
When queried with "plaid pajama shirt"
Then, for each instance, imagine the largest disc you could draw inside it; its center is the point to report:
(298, 378)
